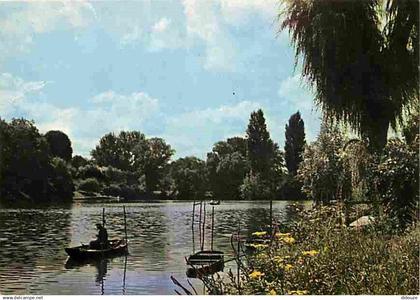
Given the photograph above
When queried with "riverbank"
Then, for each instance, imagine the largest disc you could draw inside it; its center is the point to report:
(319, 255)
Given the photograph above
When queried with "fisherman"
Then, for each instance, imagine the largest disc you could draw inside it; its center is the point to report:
(101, 241)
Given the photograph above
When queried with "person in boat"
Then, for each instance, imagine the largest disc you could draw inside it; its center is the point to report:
(101, 241)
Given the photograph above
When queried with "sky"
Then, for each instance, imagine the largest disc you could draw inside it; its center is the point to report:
(188, 71)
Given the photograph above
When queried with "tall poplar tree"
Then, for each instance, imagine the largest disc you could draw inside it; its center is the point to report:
(295, 143)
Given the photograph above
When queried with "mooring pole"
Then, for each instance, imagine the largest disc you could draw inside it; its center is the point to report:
(125, 225)
(204, 225)
(212, 226)
(103, 216)
(199, 222)
(192, 227)
(239, 258)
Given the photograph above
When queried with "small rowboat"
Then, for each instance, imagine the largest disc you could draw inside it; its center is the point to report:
(84, 252)
(205, 263)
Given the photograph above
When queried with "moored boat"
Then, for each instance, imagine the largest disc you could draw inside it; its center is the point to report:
(84, 252)
(205, 263)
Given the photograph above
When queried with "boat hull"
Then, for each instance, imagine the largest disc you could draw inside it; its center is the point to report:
(118, 247)
(205, 263)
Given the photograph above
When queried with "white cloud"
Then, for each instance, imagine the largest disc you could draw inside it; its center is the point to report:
(111, 111)
(236, 12)
(195, 132)
(18, 28)
(161, 25)
(13, 91)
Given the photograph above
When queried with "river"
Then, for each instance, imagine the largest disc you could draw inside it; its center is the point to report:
(32, 242)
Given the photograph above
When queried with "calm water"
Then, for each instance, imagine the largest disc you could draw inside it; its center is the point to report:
(32, 242)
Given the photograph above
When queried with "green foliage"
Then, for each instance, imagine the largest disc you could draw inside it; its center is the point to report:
(320, 256)
(122, 151)
(60, 144)
(255, 188)
(397, 177)
(24, 161)
(265, 159)
(156, 158)
(132, 152)
(322, 171)
(411, 129)
(189, 178)
(260, 145)
(90, 185)
(28, 170)
(61, 180)
(90, 171)
(78, 161)
(227, 166)
(294, 143)
(361, 60)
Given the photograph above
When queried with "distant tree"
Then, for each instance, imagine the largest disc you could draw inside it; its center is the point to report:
(27, 170)
(227, 166)
(61, 180)
(60, 144)
(189, 176)
(78, 161)
(155, 157)
(260, 145)
(122, 152)
(90, 185)
(294, 143)
(255, 188)
(24, 162)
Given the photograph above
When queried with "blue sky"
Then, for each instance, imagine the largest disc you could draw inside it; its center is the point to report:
(188, 71)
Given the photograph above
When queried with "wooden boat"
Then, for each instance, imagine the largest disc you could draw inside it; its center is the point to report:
(204, 263)
(214, 202)
(84, 252)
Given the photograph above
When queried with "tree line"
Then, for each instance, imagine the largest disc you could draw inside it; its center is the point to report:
(42, 167)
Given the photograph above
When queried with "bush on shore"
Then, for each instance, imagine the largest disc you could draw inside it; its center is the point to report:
(319, 255)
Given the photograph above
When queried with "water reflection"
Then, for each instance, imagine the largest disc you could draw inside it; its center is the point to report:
(33, 261)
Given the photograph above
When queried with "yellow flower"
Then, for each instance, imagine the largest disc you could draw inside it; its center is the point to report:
(258, 246)
(262, 256)
(280, 235)
(288, 267)
(256, 275)
(310, 253)
(259, 233)
(297, 292)
(272, 292)
(289, 240)
(278, 259)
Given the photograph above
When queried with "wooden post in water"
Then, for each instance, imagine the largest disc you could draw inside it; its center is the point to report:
(103, 216)
(239, 258)
(125, 225)
(204, 225)
(192, 227)
(199, 222)
(212, 226)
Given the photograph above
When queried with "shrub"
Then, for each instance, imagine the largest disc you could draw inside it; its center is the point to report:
(398, 181)
(318, 255)
(90, 185)
(255, 188)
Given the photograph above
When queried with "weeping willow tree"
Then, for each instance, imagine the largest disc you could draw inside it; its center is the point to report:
(361, 57)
